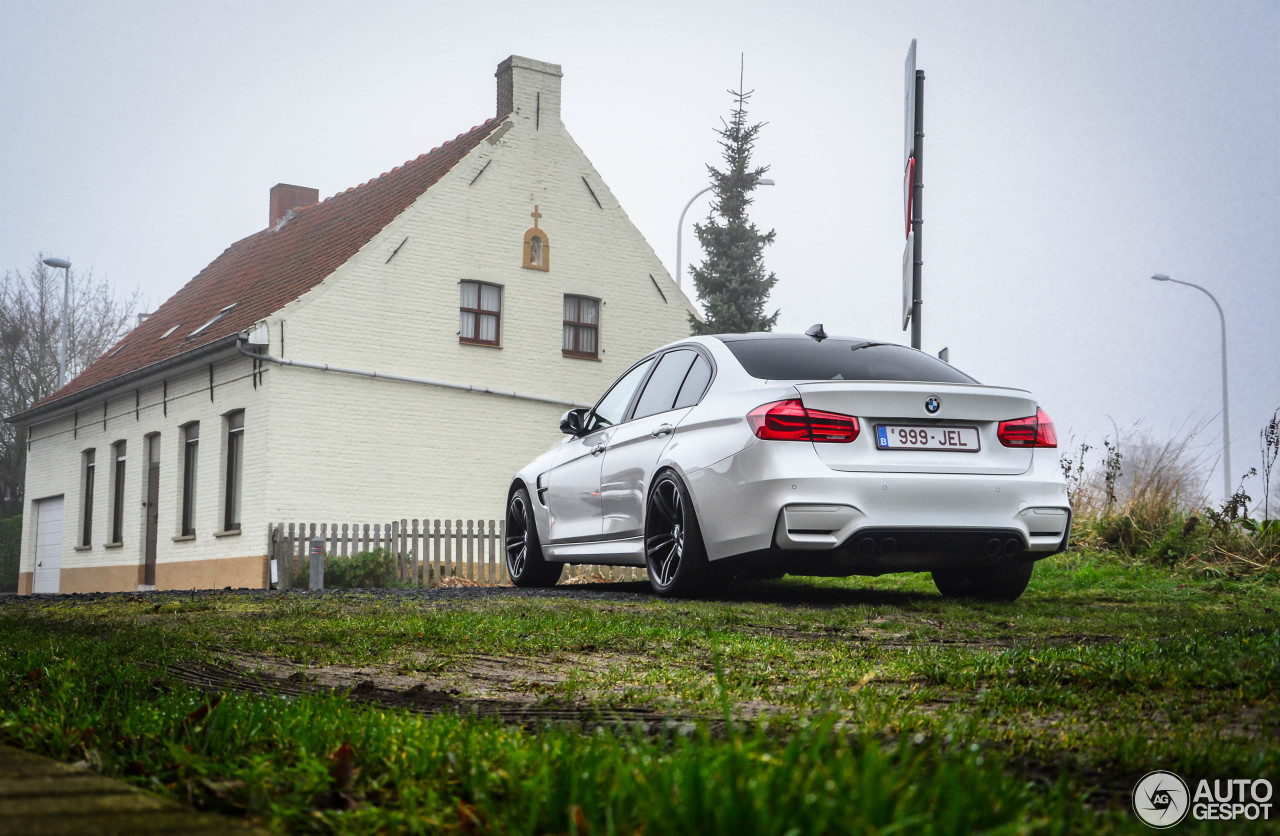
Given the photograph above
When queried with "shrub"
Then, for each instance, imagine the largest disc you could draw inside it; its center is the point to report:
(1148, 503)
(10, 551)
(364, 570)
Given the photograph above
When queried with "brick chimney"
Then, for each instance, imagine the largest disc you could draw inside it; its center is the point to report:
(530, 89)
(285, 198)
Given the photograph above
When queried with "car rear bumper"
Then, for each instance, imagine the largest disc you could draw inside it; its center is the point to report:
(779, 496)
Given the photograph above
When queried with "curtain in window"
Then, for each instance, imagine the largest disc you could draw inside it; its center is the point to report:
(570, 315)
(480, 327)
(470, 299)
(587, 340)
(581, 317)
(490, 300)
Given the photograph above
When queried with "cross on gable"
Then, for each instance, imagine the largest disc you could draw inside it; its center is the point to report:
(536, 215)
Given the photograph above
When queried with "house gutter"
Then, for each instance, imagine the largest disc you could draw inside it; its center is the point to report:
(421, 381)
(68, 401)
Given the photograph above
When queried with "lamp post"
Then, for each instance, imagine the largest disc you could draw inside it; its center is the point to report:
(66, 296)
(1226, 412)
(763, 181)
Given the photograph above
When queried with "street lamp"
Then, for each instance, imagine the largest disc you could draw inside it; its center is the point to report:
(763, 181)
(1226, 412)
(66, 295)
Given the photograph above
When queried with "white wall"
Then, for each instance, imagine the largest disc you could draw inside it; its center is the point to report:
(366, 450)
(54, 467)
(326, 447)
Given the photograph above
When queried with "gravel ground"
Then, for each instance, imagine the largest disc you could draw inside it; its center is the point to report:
(625, 591)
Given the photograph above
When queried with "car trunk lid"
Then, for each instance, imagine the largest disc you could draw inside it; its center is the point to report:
(963, 418)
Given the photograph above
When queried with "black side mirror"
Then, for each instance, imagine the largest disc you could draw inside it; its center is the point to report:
(571, 422)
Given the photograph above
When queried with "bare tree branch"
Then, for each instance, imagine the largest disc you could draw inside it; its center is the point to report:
(30, 330)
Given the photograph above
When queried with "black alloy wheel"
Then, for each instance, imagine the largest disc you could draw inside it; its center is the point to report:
(525, 563)
(673, 549)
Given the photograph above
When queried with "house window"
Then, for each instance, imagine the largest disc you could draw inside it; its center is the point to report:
(190, 448)
(86, 499)
(117, 492)
(235, 471)
(480, 313)
(581, 327)
(219, 315)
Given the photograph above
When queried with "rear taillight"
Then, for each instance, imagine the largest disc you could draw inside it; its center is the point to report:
(790, 421)
(1036, 431)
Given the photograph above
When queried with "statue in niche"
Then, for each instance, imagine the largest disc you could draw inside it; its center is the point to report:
(537, 248)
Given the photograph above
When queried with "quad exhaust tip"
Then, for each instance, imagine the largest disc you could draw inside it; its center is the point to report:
(869, 546)
(1009, 547)
(994, 547)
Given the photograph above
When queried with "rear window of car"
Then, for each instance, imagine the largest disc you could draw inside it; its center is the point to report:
(833, 359)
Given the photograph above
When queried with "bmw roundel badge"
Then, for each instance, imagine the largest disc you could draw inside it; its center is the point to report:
(932, 405)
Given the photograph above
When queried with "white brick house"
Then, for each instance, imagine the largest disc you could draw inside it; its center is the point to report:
(499, 261)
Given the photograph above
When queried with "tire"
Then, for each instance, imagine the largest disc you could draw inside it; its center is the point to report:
(674, 552)
(1005, 581)
(525, 564)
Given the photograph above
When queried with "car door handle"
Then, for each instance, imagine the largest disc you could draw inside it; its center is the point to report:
(598, 449)
(665, 429)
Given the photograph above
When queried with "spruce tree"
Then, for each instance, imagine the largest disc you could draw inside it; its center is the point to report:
(732, 282)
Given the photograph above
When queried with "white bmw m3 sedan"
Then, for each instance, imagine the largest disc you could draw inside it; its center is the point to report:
(773, 454)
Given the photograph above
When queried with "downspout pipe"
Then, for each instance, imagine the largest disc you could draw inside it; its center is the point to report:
(421, 381)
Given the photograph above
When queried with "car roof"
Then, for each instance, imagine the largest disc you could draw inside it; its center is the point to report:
(770, 335)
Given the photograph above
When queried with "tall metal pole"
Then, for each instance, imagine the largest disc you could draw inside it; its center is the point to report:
(1226, 407)
(763, 181)
(66, 303)
(680, 233)
(917, 218)
(62, 344)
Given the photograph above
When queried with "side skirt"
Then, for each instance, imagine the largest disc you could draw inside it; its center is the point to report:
(628, 552)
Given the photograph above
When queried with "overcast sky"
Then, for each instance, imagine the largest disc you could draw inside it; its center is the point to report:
(1072, 150)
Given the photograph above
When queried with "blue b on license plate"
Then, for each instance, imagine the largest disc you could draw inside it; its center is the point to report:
(948, 439)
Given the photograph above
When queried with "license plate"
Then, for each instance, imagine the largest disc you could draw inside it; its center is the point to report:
(948, 439)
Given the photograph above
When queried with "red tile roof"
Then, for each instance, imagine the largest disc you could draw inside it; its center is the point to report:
(264, 272)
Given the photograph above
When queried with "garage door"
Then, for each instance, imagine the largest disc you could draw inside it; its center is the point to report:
(48, 545)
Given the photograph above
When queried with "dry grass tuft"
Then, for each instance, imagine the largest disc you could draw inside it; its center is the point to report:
(1147, 499)
(586, 577)
(454, 583)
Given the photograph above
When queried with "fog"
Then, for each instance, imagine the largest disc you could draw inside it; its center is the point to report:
(1072, 150)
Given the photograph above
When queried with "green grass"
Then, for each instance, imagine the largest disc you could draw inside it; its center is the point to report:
(799, 706)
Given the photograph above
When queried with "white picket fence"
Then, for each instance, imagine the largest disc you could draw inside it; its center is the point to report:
(427, 552)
